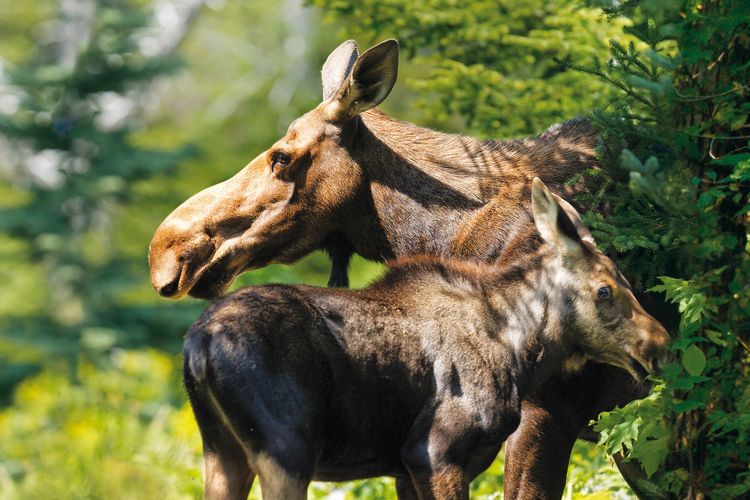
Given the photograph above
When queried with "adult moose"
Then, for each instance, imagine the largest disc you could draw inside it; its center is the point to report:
(419, 376)
(347, 178)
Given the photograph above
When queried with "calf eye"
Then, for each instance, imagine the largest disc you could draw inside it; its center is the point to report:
(604, 292)
(279, 159)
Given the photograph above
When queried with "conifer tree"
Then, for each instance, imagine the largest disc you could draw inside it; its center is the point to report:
(490, 63)
(70, 152)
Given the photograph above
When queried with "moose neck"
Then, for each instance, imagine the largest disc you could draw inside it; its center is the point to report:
(424, 185)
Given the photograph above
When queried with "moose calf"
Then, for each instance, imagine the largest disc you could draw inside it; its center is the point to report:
(420, 376)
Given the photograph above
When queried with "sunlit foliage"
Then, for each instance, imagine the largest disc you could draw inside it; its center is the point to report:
(676, 141)
(122, 430)
(488, 62)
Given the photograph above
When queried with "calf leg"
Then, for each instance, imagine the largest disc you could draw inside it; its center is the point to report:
(437, 451)
(536, 455)
(276, 482)
(227, 474)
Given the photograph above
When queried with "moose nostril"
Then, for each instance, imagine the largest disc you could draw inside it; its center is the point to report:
(655, 363)
(659, 361)
(170, 288)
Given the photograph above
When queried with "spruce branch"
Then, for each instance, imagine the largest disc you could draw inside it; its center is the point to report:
(606, 77)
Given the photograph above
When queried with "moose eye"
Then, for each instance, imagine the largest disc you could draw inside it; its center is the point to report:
(279, 159)
(604, 292)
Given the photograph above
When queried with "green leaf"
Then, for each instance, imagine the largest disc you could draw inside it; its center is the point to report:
(687, 383)
(651, 454)
(687, 406)
(683, 342)
(693, 360)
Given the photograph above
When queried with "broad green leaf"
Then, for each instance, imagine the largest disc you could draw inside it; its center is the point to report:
(693, 360)
(687, 406)
(651, 454)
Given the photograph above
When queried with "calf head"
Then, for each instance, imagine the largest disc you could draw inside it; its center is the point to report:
(604, 320)
(285, 202)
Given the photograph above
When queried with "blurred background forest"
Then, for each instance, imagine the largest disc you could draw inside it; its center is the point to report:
(112, 112)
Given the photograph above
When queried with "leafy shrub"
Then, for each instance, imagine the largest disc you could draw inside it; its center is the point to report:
(119, 430)
(676, 144)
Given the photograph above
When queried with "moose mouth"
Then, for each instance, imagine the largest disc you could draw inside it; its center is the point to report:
(214, 279)
(212, 282)
(207, 281)
(637, 369)
(210, 278)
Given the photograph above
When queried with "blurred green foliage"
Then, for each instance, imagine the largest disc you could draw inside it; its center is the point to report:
(74, 165)
(122, 430)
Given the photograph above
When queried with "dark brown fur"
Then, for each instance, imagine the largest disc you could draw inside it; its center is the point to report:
(419, 376)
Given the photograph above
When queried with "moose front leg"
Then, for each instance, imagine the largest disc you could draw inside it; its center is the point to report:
(436, 432)
(446, 448)
(447, 483)
(632, 473)
(405, 489)
(537, 454)
(340, 253)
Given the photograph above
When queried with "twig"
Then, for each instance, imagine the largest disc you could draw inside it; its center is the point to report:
(688, 98)
(714, 157)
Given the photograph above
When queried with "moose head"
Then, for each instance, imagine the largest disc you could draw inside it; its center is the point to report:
(606, 321)
(286, 201)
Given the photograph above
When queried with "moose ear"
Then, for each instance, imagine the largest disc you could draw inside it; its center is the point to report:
(575, 219)
(557, 223)
(337, 67)
(370, 81)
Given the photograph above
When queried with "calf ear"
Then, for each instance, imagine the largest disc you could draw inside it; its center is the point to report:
(370, 81)
(553, 222)
(575, 219)
(337, 67)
